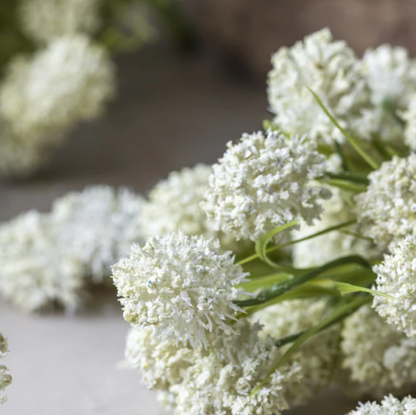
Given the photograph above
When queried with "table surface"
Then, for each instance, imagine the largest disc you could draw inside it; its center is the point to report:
(172, 111)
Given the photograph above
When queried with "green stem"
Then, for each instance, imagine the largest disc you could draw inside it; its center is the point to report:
(354, 142)
(343, 311)
(282, 288)
(346, 185)
(351, 177)
(278, 247)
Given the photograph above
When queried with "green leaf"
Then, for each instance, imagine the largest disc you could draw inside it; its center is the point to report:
(342, 311)
(263, 241)
(345, 288)
(354, 143)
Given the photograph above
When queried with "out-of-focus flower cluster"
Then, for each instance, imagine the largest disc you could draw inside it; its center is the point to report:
(60, 74)
(5, 378)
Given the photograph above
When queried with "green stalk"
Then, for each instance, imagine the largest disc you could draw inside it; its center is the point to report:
(340, 313)
(354, 142)
(346, 185)
(282, 288)
(278, 247)
(352, 177)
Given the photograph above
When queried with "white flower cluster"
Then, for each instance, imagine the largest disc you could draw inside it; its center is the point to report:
(409, 117)
(378, 357)
(174, 204)
(219, 380)
(34, 272)
(262, 182)
(181, 284)
(318, 356)
(388, 406)
(48, 258)
(5, 378)
(396, 277)
(43, 96)
(331, 69)
(317, 251)
(45, 20)
(387, 210)
(98, 226)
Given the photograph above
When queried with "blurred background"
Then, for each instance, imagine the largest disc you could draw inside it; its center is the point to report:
(181, 96)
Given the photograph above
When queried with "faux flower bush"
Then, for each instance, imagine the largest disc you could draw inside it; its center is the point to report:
(287, 266)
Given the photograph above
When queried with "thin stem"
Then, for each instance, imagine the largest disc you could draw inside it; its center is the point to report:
(343, 311)
(346, 185)
(354, 142)
(357, 235)
(282, 288)
(352, 177)
(278, 247)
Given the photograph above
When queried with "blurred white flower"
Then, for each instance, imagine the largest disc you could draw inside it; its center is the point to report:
(409, 117)
(220, 381)
(34, 272)
(321, 249)
(5, 378)
(387, 210)
(262, 182)
(388, 406)
(331, 69)
(97, 226)
(378, 357)
(396, 276)
(181, 284)
(46, 20)
(317, 357)
(69, 81)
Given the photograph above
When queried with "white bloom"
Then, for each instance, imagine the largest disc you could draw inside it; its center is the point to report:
(17, 158)
(69, 81)
(263, 182)
(396, 276)
(34, 272)
(161, 363)
(317, 356)
(181, 284)
(391, 75)
(97, 226)
(174, 204)
(220, 381)
(379, 357)
(5, 378)
(321, 249)
(410, 117)
(331, 69)
(388, 406)
(387, 210)
(45, 20)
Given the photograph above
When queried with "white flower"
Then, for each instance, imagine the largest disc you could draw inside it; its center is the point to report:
(34, 272)
(378, 357)
(321, 249)
(69, 81)
(396, 276)
(409, 117)
(263, 182)
(5, 378)
(387, 210)
(181, 284)
(161, 363)
(331, 69)
(17, 158)
(221, 380)
(318, 356)
(97, 226)
(388, 406)
(174, 204)
(45, 20)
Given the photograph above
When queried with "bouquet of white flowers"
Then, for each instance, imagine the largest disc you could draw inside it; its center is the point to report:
(286, 267)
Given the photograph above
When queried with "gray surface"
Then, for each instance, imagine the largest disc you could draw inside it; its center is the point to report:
(171, 113)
